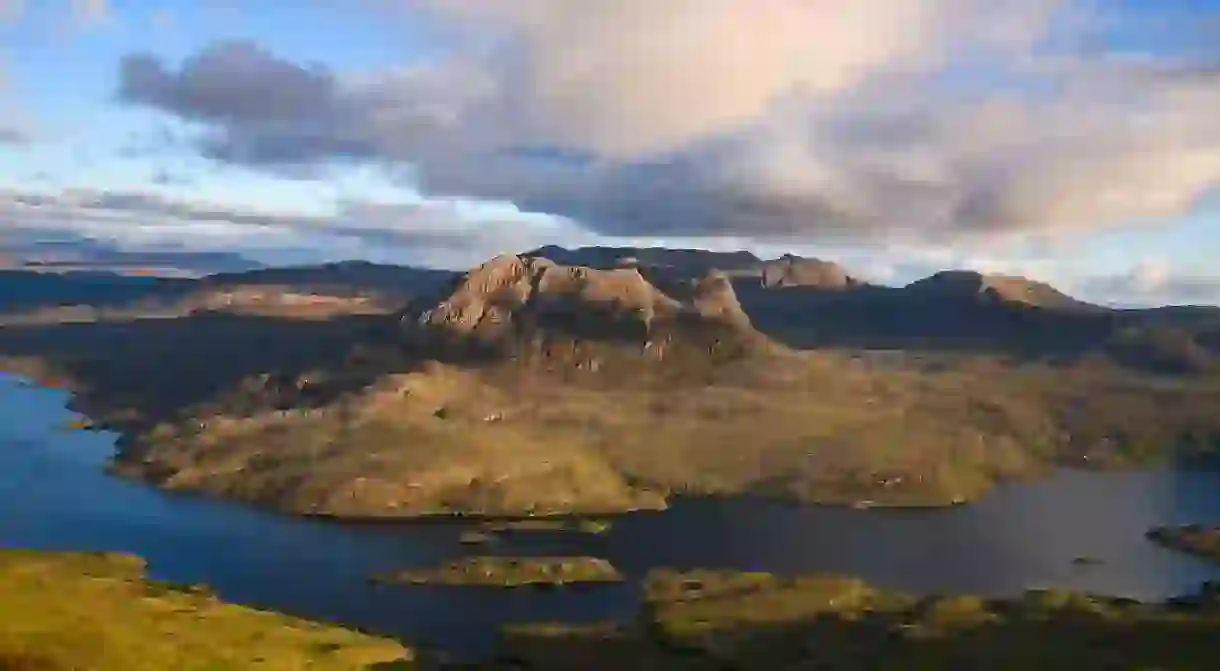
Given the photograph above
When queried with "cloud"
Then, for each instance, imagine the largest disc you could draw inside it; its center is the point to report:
(774, 119)
(13, 136)
(1156, 282)
(165, 177)
(437, 234)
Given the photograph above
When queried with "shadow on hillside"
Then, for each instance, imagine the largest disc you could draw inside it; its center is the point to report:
(1072, 641)
(23, 290)
(160, 365)
(885, 318)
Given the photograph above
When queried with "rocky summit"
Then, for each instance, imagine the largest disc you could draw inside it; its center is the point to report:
(795, 271)
(512, 300)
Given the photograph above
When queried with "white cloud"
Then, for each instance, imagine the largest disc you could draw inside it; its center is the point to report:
(436, 234)
(1156, 282)
(769, 119)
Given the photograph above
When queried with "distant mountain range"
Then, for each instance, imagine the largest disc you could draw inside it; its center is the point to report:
(600, 380)
(801, 302)
(75, 253)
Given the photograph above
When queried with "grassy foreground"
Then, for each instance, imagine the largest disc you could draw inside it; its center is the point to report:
(98, 612)
(755, 621)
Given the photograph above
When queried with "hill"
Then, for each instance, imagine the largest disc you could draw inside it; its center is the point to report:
(347, 278)
(514, 302)
(794, 271)
(961, 284)
(528, 385)
(22, 290)
(681, 261)
(100, 612)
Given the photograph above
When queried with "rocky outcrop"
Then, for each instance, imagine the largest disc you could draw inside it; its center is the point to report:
(509, 299)
(683, 262)
(795, 271)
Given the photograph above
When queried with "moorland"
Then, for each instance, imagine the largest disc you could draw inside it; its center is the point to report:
(603, 380)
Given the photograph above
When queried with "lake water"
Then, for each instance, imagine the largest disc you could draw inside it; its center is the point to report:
(54, 496)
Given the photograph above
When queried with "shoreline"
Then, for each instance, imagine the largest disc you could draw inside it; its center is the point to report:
(35, 373)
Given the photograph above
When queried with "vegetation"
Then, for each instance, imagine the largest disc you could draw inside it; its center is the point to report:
(510, 572)
(1192, 538)
(573, 412)
(745, 621)
(89, 611)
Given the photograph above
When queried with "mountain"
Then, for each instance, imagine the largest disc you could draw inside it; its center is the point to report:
(671, 262)
(533, 386)
(964, 284)
(512, 302)
(795, 271)
(342, 278)
(78, 253)
(22, 290)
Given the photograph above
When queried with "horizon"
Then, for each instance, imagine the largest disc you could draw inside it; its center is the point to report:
(1073, 142)
(170, 271)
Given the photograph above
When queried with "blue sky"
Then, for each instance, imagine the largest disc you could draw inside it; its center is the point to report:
(1072, 141)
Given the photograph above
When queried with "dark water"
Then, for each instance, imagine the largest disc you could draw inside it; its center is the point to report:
(53, 495)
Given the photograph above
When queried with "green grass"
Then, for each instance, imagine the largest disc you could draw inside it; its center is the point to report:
(60, 612)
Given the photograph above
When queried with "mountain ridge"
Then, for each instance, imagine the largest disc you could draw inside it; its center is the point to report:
(602, 390)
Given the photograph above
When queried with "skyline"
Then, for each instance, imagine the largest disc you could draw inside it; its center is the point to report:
(1074, 142)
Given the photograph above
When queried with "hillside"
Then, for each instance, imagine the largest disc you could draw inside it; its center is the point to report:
(514, 302)
(711, 620)
(528, 385)
(961, 284)
(22, 290)
(100, 612)
(682, 261)
(349, 278)
(794, 271)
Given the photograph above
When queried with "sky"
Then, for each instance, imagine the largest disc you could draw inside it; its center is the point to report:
(1071, 141)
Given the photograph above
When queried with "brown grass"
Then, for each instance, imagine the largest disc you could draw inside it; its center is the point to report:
(544, 435)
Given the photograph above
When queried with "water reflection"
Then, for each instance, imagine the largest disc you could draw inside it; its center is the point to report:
(1022, 536)
(55, 496)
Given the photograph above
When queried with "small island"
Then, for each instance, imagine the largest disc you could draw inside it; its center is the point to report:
(509, 572)
(1194, 539)
(582, 525)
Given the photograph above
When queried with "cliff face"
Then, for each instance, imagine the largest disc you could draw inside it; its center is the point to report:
(513, 300)
(794, 271)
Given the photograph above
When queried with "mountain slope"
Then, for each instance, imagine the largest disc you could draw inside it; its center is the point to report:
(527, 385)
(513, 302)
(794, 271)
(963, 284)
(682, 261)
